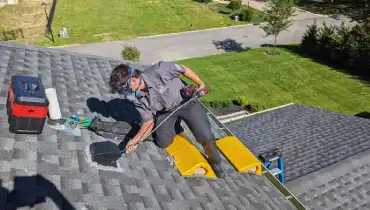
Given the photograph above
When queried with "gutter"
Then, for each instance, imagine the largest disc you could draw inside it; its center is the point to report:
(273, 179)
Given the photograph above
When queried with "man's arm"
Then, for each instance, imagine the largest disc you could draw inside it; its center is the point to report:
(190, 74)
(144, 130)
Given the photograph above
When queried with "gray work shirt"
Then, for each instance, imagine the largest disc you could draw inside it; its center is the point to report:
(164, 87)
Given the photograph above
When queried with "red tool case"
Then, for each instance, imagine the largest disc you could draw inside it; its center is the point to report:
(27, 105)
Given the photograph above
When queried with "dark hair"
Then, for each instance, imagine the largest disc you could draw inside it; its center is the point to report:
(119, 77)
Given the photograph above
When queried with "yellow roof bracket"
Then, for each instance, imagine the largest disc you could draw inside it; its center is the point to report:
(239, 155)
(187, 158)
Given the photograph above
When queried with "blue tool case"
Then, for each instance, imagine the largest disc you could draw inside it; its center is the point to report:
(29, 91)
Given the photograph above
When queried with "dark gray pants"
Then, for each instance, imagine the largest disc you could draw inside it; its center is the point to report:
(195, 117)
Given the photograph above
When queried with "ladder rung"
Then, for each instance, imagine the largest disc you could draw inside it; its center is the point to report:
(273, 159)
(275, 171)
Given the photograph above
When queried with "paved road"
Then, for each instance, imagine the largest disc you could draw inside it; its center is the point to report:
(199, 44)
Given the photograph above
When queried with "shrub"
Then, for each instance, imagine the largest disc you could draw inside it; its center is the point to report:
(256, 107)
(2, 28)
(241, 101)
(207, 1)
(325, 40)
(235, 4)
(340, 44)
(360, 46)
(309, 39)
(130, 53)
(246, 14)
(219, 104)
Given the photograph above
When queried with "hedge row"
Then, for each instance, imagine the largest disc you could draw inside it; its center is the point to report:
(344, 45)
(239, 101)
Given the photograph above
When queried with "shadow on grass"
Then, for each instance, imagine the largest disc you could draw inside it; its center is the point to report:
(229, 45)
(354, 9)
(359, 75)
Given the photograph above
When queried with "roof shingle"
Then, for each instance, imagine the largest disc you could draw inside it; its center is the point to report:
(321, 152)
(145, 179)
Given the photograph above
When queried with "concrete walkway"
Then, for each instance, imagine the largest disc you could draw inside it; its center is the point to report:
(199, 43)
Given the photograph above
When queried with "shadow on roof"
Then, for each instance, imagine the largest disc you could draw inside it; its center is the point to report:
(363, 115)
(118, 109)
(31, 190)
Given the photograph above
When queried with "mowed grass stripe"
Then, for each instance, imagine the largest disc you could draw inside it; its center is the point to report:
(282, 79)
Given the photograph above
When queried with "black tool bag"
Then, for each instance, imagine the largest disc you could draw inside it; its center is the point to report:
(119, 130)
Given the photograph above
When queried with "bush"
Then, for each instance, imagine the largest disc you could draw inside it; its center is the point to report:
(130, 53)
(256, 107)
(207, 1)
(219, 104)
(325, 40)
(340, 47)
(235, 4)
(340, 44)
(241, 101)
(360, 46)
(309, 39)
(246, 14)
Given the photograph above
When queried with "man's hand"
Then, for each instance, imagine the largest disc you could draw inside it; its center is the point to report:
(145, 128)
(130, 146)
(203, 88)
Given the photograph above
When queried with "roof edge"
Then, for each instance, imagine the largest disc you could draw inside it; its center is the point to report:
(274, 181)
(254, 113)
(63, 51)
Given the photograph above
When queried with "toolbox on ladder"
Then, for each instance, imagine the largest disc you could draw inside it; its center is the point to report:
(268, 157)
(27, 105)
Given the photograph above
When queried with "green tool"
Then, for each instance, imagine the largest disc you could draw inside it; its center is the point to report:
(83, 122)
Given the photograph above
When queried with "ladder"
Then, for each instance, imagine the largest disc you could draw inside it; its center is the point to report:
(271, 156)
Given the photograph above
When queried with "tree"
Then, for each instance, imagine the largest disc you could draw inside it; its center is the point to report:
(278, 14)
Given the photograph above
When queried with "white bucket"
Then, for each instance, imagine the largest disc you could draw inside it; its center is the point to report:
(54, 109)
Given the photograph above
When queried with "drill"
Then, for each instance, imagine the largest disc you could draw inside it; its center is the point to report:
(190, 91)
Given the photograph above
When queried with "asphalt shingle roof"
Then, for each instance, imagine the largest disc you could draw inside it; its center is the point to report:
(321, 151)
(144, 180)
(343, 185)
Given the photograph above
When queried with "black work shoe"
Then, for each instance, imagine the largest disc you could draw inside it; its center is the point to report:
(218, 170)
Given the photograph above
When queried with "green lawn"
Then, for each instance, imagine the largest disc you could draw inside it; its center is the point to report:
(258, 16)
(278, 80)
(350, 8)
(94, 21)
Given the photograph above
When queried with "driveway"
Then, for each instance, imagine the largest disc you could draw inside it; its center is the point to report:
(199, 43)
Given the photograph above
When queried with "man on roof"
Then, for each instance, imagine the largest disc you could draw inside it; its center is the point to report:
(156, 92)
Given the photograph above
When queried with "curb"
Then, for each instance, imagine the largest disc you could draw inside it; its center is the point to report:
(63, 46)
(159, 35)
(195, 31)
